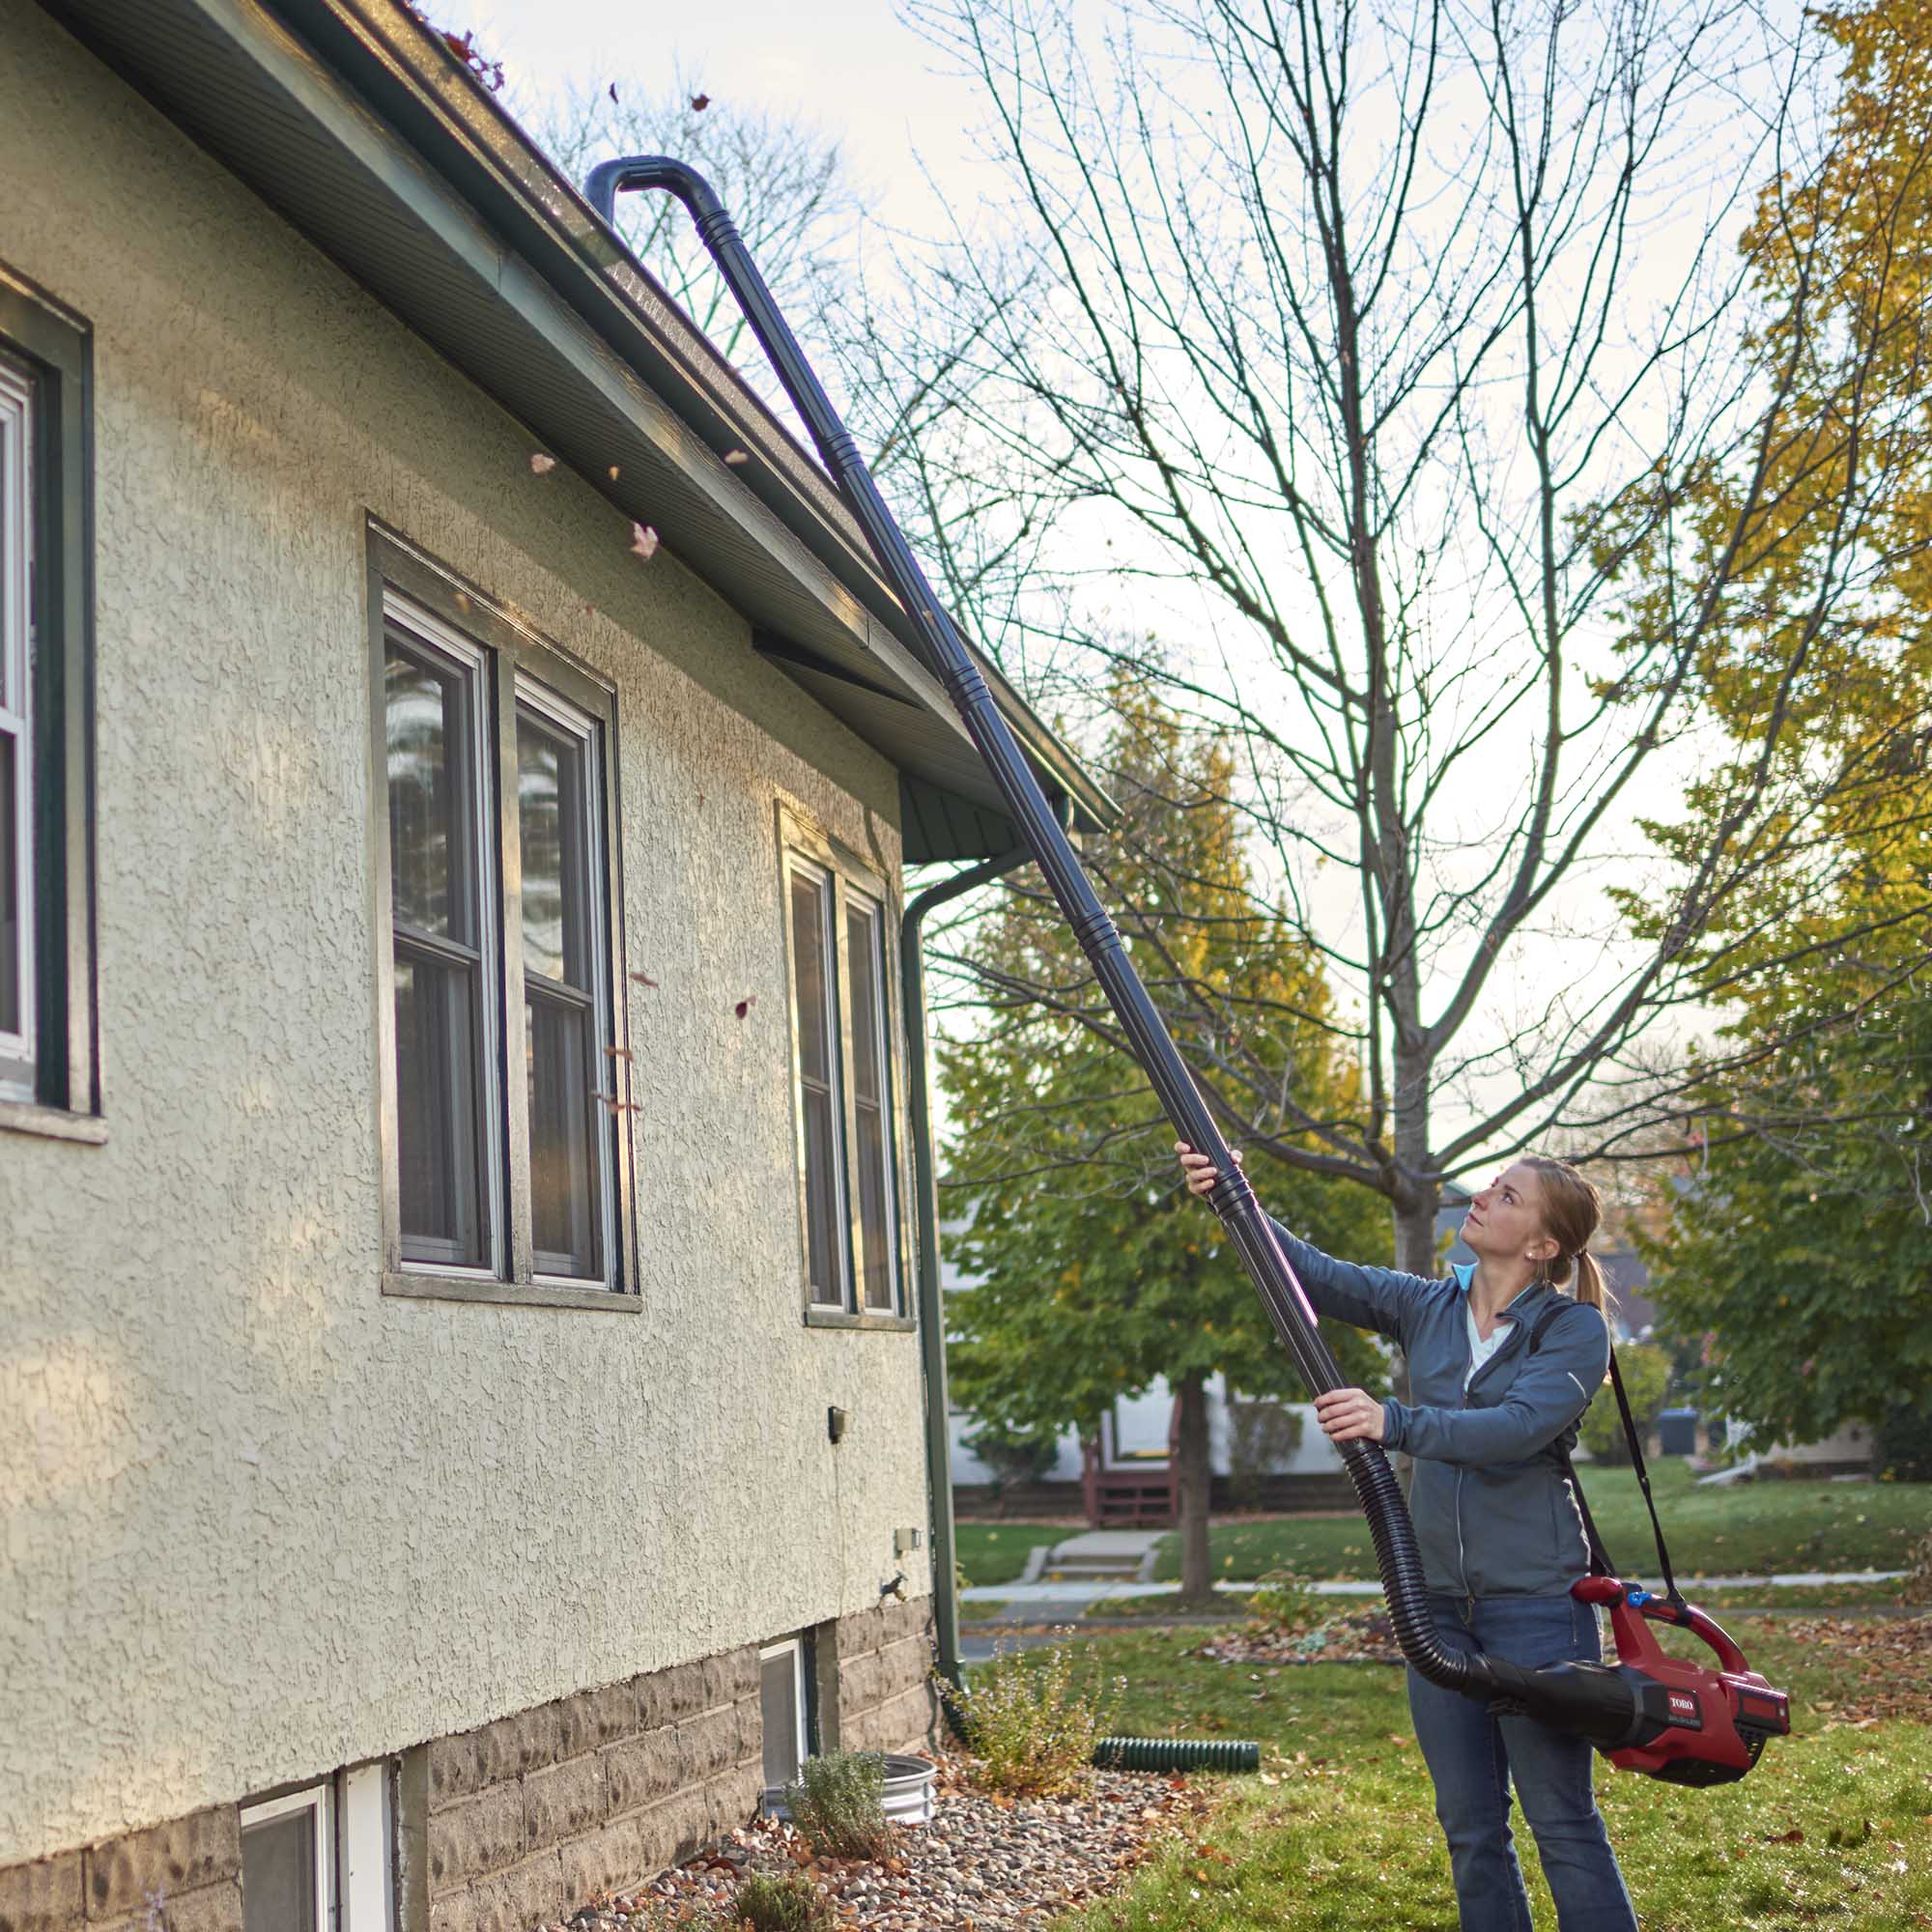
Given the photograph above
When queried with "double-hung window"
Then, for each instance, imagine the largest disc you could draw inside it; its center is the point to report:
(504, 1092)
(48, 1058)
(850, 1159)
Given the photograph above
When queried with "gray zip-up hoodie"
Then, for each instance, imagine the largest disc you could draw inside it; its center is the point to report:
(1495, 1514)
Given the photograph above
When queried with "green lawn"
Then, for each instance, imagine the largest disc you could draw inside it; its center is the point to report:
(996, 1552)
(1744, 1528)
(1338, 1834)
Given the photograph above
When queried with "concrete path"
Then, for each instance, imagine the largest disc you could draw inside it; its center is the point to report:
(1071, 1598)
(1097, 1556)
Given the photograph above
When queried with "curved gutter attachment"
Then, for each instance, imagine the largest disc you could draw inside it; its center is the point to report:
(1571, 1698)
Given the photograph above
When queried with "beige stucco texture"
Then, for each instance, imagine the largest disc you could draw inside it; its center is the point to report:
(261, 1520)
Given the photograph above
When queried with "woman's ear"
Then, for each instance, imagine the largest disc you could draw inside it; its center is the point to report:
(1546, 1249)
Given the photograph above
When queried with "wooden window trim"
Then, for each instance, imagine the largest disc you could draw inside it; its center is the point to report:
(801, 835)
(55, 349)
(518, 659)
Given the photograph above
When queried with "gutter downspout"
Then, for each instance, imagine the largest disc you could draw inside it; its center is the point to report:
(926, 1211)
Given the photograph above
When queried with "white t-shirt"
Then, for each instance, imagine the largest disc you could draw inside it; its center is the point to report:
(1481, 1350)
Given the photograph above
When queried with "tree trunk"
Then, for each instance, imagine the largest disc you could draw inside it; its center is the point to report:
(1197, 1477)
(1413, 1208)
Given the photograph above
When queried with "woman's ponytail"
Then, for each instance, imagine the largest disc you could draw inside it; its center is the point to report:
(1571, 1211)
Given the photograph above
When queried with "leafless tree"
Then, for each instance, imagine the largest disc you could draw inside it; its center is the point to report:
(1387, 357)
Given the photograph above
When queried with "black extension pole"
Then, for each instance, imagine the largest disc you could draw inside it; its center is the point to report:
(945, 654)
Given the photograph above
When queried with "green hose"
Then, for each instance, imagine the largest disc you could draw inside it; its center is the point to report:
(1178, 1754)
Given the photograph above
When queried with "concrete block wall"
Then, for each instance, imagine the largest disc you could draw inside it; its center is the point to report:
(883, 1670)
(187, 1870)
(525, 1819)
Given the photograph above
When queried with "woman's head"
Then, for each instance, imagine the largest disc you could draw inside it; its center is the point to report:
(1541, 1210)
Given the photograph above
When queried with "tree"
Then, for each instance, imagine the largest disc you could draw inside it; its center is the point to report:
(1094, 1273)
(1382, 339)
(1802, 1245)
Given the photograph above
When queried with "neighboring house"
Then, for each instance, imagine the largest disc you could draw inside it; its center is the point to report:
(453, 1152)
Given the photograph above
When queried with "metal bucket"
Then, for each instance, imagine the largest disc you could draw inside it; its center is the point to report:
(908, 1792)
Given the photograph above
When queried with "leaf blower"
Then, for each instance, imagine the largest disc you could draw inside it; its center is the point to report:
(1648, 1712)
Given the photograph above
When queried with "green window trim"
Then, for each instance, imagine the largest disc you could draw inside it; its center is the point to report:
(52, 347)
(521, 679)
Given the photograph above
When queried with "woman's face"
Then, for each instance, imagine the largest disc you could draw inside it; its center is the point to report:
(1505, 1220)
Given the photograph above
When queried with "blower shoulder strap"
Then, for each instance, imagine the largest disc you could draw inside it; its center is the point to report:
(1600, 1560)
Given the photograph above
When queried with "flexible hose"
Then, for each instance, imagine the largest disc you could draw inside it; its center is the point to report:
(1176, 1755)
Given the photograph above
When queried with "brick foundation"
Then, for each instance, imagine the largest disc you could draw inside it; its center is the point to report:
(190, 1867)
(521, 1821)
(880, 1678)
(524, 1820)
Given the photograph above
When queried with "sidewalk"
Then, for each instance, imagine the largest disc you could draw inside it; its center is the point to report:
(1082, 1593)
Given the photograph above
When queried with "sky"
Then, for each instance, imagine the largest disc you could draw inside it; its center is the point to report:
(851, 65)
(905, 124)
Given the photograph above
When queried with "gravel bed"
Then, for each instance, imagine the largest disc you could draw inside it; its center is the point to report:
(982, 1864)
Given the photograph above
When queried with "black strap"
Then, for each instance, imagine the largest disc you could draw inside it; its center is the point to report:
(1600, 1560)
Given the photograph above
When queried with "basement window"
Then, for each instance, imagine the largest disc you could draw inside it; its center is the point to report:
(288, 1864)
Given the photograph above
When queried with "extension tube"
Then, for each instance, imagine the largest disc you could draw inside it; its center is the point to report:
(1613, 1705)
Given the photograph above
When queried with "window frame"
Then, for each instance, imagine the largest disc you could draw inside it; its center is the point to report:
(318, 1798)
(799, 1649)
(803, 843)
(517, 665)
(49, 350)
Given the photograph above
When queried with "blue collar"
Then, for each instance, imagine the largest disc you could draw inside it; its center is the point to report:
(1465, 1272)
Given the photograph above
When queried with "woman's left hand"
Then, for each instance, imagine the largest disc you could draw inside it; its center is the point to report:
(1349, 1416)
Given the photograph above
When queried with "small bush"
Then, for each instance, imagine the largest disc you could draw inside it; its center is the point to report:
(788, 1904)
(1034, 1721)
(1902, 1445)
(840, 1803)
(1261, 1436)
(1284, 1601)
(1646, 1374)
(1918, 1576)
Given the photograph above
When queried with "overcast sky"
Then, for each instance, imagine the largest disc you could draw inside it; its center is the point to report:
(849, 64)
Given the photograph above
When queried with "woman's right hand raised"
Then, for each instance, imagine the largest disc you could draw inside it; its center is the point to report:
(1200, 1174)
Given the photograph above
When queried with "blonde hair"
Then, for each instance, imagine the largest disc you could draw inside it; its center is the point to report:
(1572, 1212)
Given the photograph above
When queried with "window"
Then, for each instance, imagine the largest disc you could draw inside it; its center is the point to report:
(496, 759)
(48, 1081)
(850, 1160)
(322, 1858)
(784, 1713)
(288, 1867)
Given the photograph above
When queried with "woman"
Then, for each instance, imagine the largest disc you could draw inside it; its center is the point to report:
(1496, 1522)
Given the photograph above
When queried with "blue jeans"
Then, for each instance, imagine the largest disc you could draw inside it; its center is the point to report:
(1472, 1757)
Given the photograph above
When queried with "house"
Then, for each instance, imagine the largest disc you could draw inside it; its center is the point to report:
(461, 1409)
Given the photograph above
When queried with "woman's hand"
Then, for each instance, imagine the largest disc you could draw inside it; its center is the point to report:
(1349, 1416)
(1200, 1174)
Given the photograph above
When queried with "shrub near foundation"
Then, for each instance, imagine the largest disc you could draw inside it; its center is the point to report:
(788, 1904)
(1034, 1721)
(839, 1804)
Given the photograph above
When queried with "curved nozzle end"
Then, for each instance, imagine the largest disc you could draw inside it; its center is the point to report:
(603, 185)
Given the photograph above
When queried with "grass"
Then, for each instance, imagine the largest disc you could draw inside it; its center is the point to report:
(1750, 1597)
(996, 1552)
(1745, 1529)
(1339, 1834)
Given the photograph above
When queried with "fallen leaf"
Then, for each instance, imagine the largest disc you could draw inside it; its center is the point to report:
(643, 541)
(543, 465)
(746, 1004)
(699, 103)
(611, 90)
(618, 1052)
(734, 457)
(613, 472)
(643, 979)
(1794, 1836)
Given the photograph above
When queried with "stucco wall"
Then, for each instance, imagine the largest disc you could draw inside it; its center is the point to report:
(260, 1520)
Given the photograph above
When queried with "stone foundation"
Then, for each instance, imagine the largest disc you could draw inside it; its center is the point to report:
(881, 1673)
(190, 1868)
(519, 1822)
